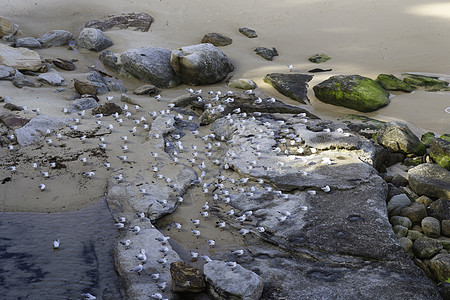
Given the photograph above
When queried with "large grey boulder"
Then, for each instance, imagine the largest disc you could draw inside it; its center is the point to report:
(37, 127)
(55, 38)
(227, 282)
(28, 42)
(200, 64)
(425, 247)
(440, 266)
(7, 73)
(430, 180)
(352, 91)
(19, 58)
(397, 137)
(294, 86)
(137, 20)
(93, 39)
(148, 64)
(82, 104)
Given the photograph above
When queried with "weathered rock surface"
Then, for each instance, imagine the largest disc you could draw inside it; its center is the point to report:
(139, 21)
(425, 247)
(445, 226)
(6, 73)
(93, 39)
(149, 65)
(13, 121)
(431, 227)
(140, 286)
(266, 53)
(319, 58)
(391, 83)
(225, 282)
(84, 88)
(304, 183)
(13, 107)
(147, 89)
(28, 42)
(19, 58)
(242, 83)
(217, 39)
(200, 64)
(52, 78)
(21, 80)
(250, 33)
(430, 180)
(440, 267)
(415, 212)
(36, 128)
(107, 109)
(186, 279)
(440, 152)
(440, 209)
(430, 83)
(403, 221)
(7, 27)
(64, 64)
(397, 137)
(352, 91)
(55, 38)
(294, 86)
(82, 104)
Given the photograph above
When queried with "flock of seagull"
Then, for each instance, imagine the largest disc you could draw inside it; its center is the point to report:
(204, 154)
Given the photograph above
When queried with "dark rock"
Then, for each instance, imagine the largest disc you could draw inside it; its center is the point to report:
(21, 80)
(97, 81)
(403, 221)
(93, 39)
(266, 53)
(111, 61)
(444, 290)
(430, 180)
(13, 121)
(186, 279)
(406, 243)
(440, 152)
(125, 98)
(440, 267)
(415, 212)
(150, 65)
(319, 58)
(200, 64)
(430, 83)
(425, 247)
(352, 91)
(397, 137)
(424, 267)
(440, 209)
(83, 87)
(55, 38)
(138, 21)
(13, 107)
(217, 39)
(431, 227)
(225, 282)
(319, 70)
(250, 33)
(148, 89)
(107, 109)
(294, 86)
(64, 64)
(392, 83)
(398, 180)
(424, 200)
(28, 42)
(400, 231)
(445, 227)
(427, 138)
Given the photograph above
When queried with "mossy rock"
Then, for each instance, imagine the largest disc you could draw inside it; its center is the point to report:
(397, 137)
(445, 137)
(352, 91)
(392, 83)
(430, 83)
(427, 138)
(319, 58)
(440, 152)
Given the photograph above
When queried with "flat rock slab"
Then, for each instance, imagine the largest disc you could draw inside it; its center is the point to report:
(12, 121)
(430, 180)
(294, 86)
(137, 21)
(55, 38)
(36, 128)
(19, 58)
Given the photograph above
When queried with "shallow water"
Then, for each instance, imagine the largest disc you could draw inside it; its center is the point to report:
(31, 269)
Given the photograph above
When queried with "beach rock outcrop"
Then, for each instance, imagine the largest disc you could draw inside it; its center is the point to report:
(217, 39)
(391, 83)
(266, 53)
(82, 104)
(28, 42)
(148, 64)
(186, 279)
(13, 121)
(232, 282)
(250, 33)
(242, 83)
(7, 27)
(19, 58)
(200, 64)
(52, 78)
(55, 38)
(93, 39)
(397, 137)
(440, 152)
(425, 247)
(319, 58)
(440, 267)
(352, 91)
(294, 86)
(430, 180)
(440, 209)
(430, 83)
(107, 109)
(139, 21)
(36, 128)
(148, 89)
(6, 73)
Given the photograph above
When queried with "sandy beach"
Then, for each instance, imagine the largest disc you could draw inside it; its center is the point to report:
(365, 38)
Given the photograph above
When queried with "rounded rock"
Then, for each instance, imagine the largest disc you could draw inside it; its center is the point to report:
(431, 227)
(440, 267)
(406, 243)
(398, 201)
(414, 235)
(445, 227)
(403, 221)
(424, 200)
(425, 247)
(400, 231)
(415, 212)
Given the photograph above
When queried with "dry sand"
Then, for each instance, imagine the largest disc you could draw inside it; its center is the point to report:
(362, 37)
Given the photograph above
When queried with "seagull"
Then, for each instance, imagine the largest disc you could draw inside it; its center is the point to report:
(195, 222)
(221, 224)
(135, 229)
(290, 67)
(232, 264)
(157, 296)
(42, 187)
(326, 189)
(196, 232)
(88, 296)
(206, 258)
(56, 244)
(119, 225)
(244, 231)
(194, 255)
(260, 229)
(155, 276)
(177, 226)
(142, 257)
(211, 243)
(158, 97)
(164, 250)
(137, 269)
(162, 285)
(12, 168)
(89, 174)
(238, 253)
(162, 239)
(126, 243)
(312, 192)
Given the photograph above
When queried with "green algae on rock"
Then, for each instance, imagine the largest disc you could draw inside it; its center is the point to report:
(440, 152)
(391, 83)
(319, 58)
(427, 137)
(430, 83)
(352, 91)
(397, 137)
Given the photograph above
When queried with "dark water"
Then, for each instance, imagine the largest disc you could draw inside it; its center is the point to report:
(31, 269)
